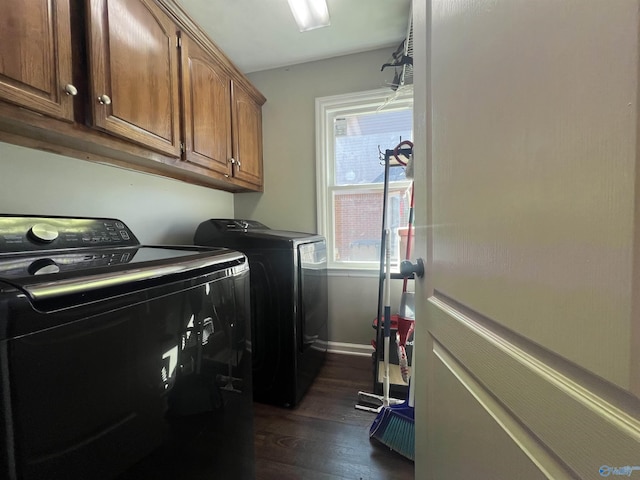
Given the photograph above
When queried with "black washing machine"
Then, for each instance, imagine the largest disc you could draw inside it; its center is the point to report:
(288, 278)
(121, 359)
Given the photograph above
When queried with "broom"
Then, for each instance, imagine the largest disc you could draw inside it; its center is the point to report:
(395, 425)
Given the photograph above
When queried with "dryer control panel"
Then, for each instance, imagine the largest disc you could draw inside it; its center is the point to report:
(230, 224)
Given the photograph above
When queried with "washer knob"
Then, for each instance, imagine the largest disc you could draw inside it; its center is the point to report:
(43, 266)
(43, 232)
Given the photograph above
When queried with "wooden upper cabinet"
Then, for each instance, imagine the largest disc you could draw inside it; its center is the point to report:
(35, 56)
(141, 99)
(134, 72)
(222, 121)
(247, 137)
(206, 99)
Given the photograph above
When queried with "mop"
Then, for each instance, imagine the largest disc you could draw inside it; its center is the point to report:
(369, 401)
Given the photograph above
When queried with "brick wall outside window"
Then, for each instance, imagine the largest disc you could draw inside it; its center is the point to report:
(358, 225)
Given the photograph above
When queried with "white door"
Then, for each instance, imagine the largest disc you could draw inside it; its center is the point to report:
(528, 332)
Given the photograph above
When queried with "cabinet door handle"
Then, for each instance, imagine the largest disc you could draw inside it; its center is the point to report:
(104, 100)
(70, 90)
(233, 161)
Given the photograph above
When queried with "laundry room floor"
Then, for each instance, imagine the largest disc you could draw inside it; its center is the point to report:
(325, 437)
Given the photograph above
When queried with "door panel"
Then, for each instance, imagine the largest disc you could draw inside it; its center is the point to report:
(536, 228)
(526, 174)
(133, 58)
(35, 55)
(465, 415)
(562, 408)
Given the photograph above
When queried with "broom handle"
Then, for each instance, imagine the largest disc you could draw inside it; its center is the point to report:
(387, 315)
(409, 234)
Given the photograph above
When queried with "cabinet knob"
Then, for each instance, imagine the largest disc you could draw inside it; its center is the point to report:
(239, 164)
(104, 100)
(231, 160)
(70, 90)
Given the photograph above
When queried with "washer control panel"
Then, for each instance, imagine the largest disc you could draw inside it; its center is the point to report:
(33, 233)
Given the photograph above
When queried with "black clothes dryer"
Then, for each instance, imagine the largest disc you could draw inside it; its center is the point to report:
(288, 281)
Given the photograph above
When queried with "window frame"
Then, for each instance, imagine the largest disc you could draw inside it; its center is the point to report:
(326, 110)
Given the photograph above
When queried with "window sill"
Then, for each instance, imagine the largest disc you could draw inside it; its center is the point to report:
(353, 272)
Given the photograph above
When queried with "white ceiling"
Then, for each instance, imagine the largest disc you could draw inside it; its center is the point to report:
(262, 34)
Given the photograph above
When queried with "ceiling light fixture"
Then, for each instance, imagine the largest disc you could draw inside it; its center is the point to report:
(310, 14)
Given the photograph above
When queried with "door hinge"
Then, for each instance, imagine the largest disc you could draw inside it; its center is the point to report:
(181, 147)
(178, 42)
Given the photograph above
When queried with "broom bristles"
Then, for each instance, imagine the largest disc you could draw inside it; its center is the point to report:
(395, 427)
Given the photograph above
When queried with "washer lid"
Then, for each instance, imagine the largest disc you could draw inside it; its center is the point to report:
(60, 273)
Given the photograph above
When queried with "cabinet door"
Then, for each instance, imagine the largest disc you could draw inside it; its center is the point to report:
(35, 55)
(134, 72)
(247, 137)
(206, 91)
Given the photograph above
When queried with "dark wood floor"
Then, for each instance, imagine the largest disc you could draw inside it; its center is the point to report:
(325, 437)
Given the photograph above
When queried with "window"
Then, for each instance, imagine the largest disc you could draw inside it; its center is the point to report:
(353, 133)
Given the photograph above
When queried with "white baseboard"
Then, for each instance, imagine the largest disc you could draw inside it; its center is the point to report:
(350, 349)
